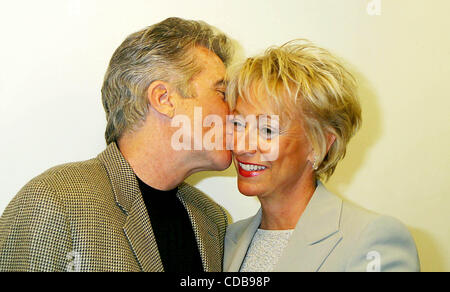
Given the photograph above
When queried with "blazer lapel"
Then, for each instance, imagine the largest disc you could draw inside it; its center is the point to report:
(316, 234)
(138, 229)
(206, 232)
(139, 233)
(239, 248)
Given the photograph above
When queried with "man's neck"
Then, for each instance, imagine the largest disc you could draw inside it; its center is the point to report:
(153, 160)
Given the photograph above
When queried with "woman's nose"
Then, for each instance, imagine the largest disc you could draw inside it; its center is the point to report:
(245, 142)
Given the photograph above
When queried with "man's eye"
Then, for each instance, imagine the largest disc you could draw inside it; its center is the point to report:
(222, 93)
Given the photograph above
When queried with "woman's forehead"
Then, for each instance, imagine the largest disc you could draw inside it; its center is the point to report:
(256, 100)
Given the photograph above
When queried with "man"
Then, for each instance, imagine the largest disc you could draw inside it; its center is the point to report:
(128, 209)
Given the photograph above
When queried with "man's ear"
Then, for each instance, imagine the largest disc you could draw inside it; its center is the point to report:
(160, 97)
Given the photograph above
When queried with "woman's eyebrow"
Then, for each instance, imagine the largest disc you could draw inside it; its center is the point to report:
(269, 116)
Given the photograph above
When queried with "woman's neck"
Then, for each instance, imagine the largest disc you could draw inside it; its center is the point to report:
(281, 211)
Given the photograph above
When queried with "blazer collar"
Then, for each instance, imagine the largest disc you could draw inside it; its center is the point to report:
(315, 235)
(123, 180)
(205, 230)
(321, 217)
(138, 228)
(239, 246)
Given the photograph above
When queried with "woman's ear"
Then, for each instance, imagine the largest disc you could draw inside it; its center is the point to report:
(160, 98)
(330, 140)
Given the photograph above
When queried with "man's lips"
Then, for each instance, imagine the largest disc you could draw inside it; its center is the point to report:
(247, 169)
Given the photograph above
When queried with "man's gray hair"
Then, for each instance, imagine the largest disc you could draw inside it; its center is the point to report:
(159, 52)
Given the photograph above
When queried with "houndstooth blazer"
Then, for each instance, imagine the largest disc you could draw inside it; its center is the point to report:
(90, 216)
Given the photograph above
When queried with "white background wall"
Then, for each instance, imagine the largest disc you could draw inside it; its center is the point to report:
(53, 55)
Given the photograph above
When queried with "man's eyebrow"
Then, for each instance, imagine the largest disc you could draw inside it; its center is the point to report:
(220, 83)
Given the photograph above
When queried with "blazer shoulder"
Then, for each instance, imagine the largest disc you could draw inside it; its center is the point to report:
(59, 176)
(384, 239)
(34, 231)
(354, 219)
(62, 184)
(69, 173)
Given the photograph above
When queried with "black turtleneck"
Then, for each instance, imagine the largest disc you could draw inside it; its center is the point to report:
(173, 230)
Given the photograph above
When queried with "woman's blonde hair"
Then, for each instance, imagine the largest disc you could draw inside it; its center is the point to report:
(160, 52)
(303, 80)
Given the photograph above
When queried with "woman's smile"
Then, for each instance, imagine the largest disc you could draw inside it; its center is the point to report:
(247, 169)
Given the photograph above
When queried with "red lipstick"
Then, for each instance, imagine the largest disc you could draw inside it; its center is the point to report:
(250, 172)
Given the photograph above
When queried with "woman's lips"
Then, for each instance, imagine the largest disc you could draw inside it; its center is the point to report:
(250, 169)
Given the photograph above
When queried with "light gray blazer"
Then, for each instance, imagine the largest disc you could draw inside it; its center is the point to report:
(332, 236)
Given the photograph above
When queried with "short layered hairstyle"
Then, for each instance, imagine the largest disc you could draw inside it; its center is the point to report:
(303, 81)
(160, 52)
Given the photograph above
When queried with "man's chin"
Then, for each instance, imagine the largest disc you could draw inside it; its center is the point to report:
(221, 160)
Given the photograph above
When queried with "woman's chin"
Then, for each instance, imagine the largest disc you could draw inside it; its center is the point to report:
(249, 189)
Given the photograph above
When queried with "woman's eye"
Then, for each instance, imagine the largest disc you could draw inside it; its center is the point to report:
(267, 133)
(238, 124)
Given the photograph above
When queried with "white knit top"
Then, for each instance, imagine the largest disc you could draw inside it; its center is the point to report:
(265, 250)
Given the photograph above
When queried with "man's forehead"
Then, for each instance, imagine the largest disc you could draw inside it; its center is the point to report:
(203, 51)
(212, 69)
(208, 57)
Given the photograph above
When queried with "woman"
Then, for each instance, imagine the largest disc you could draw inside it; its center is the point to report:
(299, 104)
